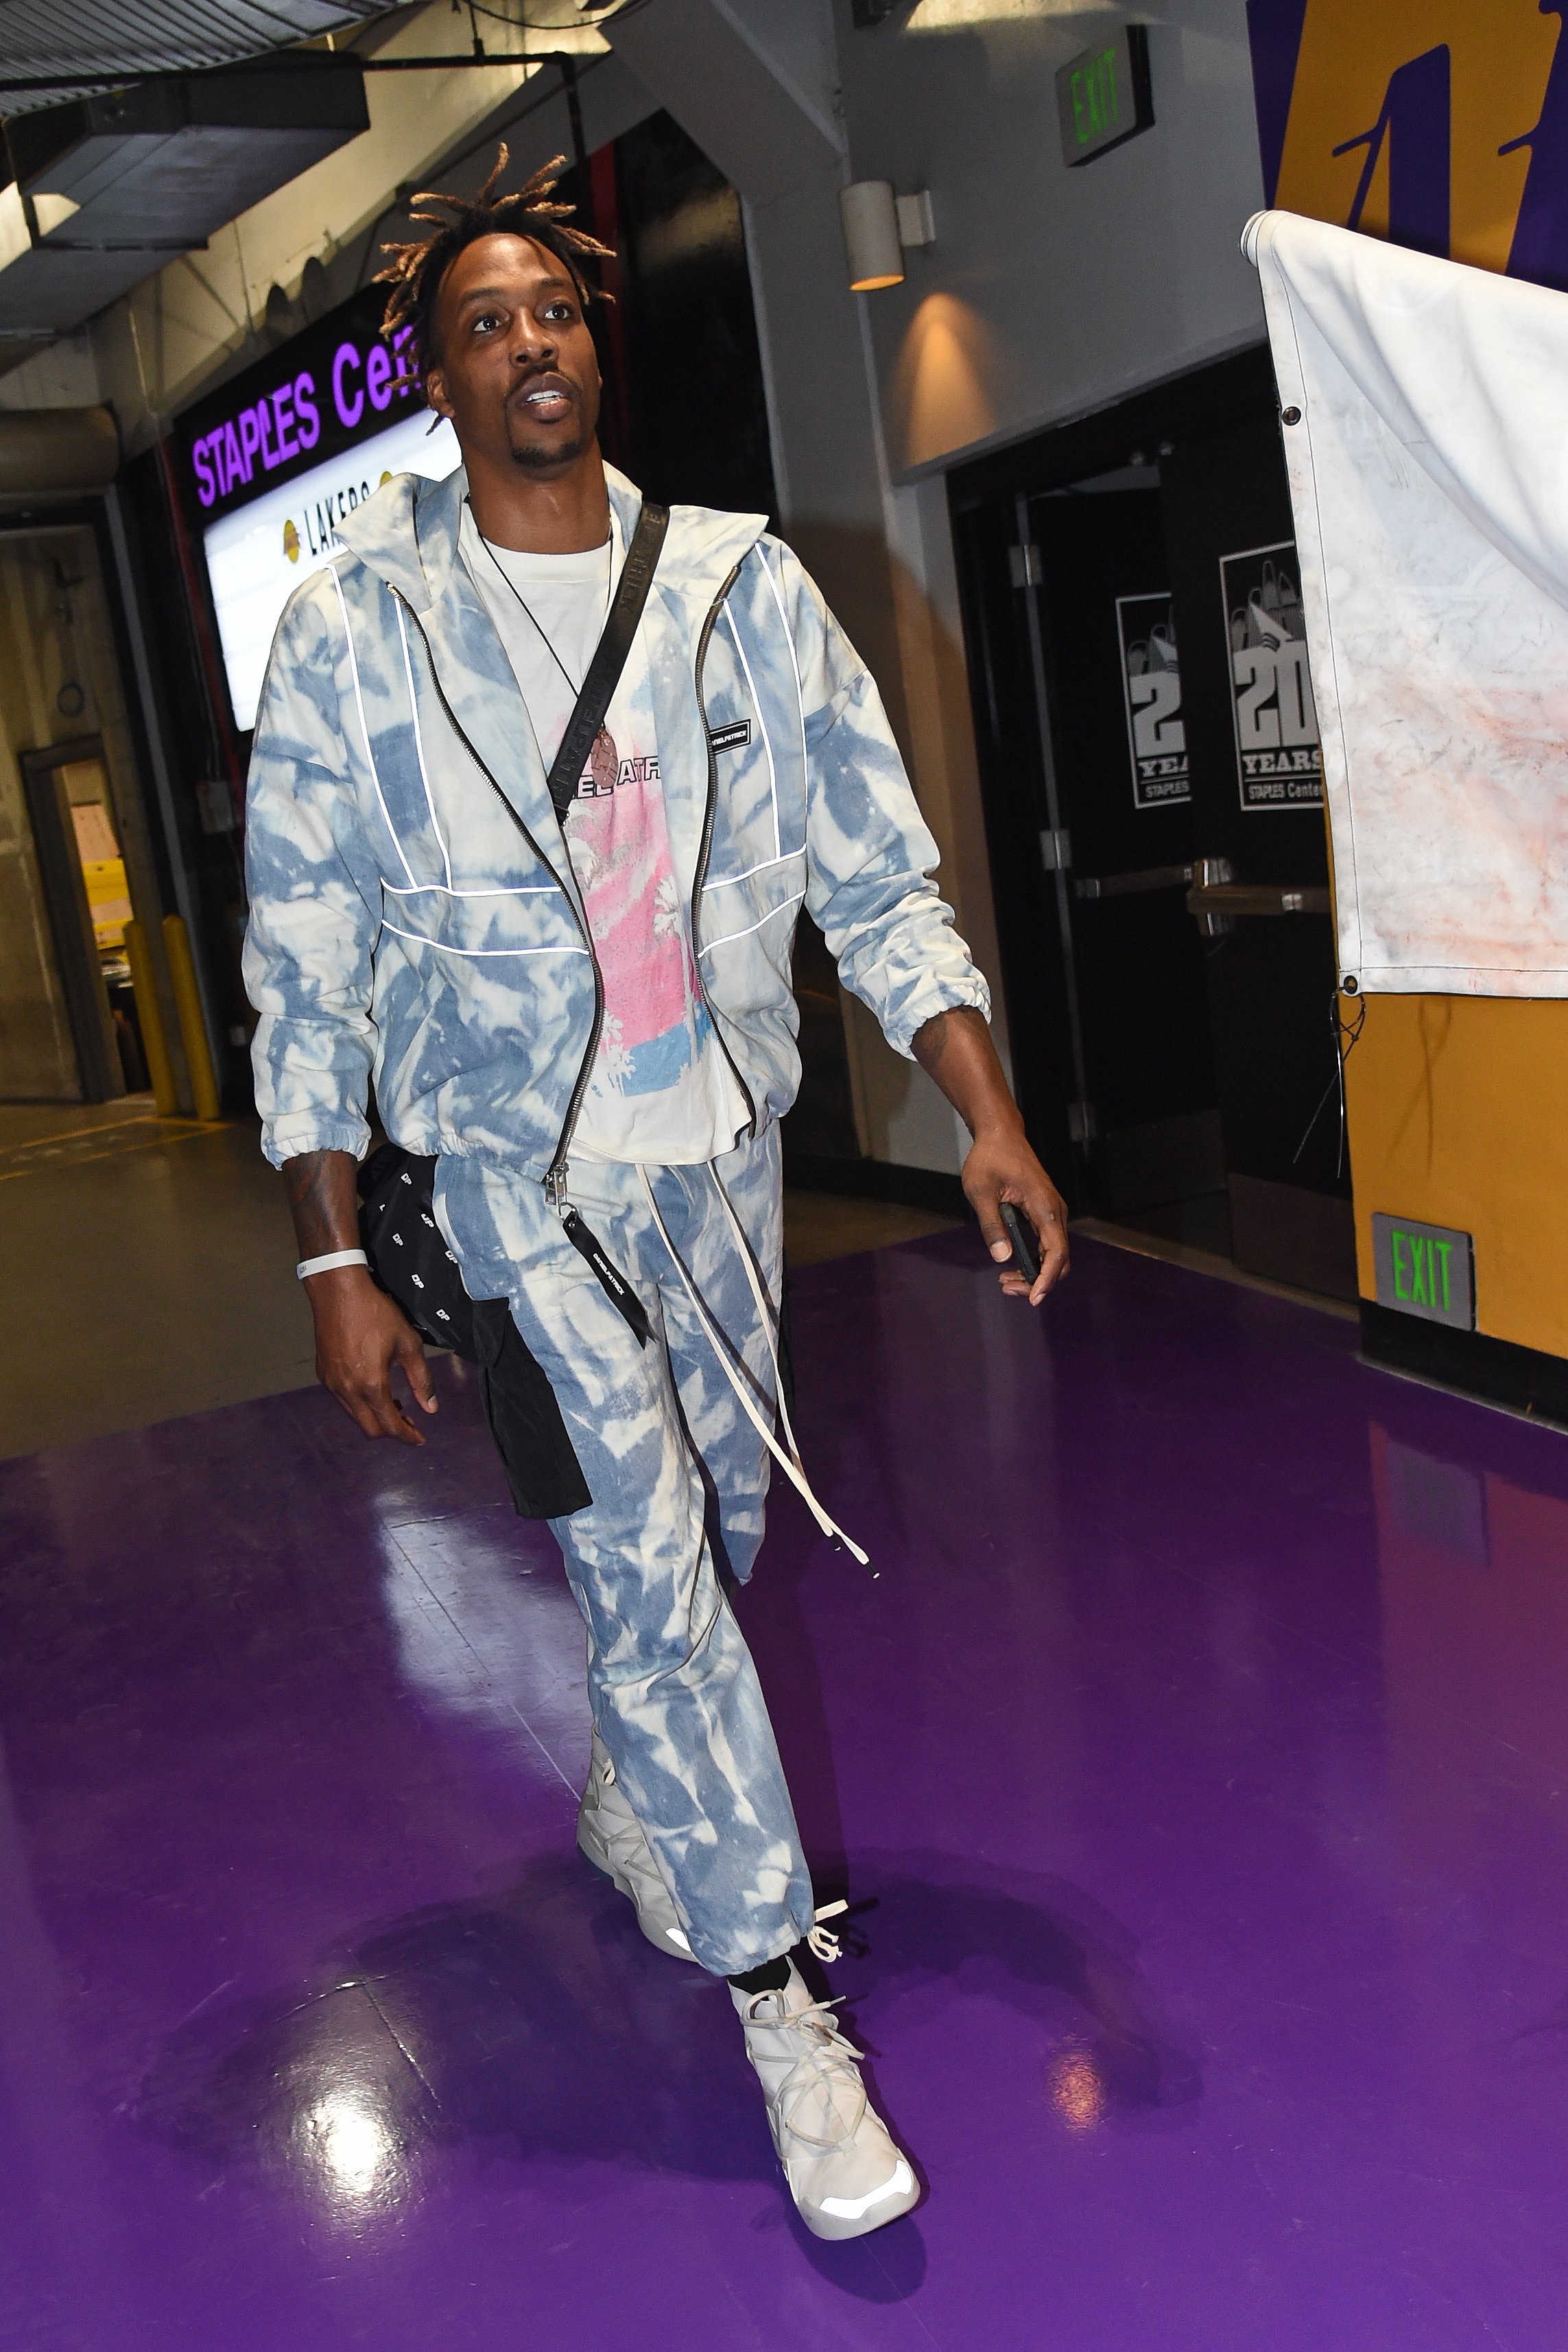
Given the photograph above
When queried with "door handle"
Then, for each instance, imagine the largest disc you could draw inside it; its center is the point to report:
(1217, 903)
(1254, 898)
(1123, 886)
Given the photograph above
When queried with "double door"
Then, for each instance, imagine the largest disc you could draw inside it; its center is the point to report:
(1154, 802)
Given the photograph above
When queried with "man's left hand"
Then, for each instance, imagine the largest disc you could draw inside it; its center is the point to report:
(954, 1048)
(1000, 1167)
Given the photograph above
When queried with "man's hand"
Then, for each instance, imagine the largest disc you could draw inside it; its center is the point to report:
(1002, 1167)
(360, 1332)
(955, 1049)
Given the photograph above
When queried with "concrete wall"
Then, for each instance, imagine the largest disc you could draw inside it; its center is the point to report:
(1050, 291)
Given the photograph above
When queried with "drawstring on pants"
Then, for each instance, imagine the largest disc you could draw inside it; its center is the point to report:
(789, 1462)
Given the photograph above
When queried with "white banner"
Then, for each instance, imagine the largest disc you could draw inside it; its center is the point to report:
(1429, 466)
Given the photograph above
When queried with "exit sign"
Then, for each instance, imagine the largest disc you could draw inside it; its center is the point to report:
(1425, 1270)
(1103, 96)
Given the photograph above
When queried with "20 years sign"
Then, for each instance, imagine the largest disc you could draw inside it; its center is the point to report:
(1278, 755)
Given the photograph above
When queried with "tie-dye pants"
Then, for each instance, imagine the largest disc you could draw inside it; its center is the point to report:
(672, 1684)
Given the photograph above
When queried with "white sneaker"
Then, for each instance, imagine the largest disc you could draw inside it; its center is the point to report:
(612, 1837)
(844, 2171)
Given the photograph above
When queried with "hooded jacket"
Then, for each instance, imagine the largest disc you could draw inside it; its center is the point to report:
(404, 926)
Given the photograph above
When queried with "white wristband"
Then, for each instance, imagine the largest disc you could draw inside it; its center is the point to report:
(325, 1265)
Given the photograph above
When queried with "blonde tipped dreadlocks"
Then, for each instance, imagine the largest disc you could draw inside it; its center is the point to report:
(416, 270)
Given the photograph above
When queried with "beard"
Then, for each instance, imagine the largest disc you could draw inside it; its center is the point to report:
(544, 457)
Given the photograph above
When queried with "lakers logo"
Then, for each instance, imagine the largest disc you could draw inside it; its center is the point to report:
(291, 542)
(1440, 124)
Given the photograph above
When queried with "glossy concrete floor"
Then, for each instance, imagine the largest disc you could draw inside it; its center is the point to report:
(1195, 1767)
(148, 1265)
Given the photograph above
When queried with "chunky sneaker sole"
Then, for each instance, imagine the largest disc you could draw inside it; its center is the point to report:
(611, 1837)
(846, 2172)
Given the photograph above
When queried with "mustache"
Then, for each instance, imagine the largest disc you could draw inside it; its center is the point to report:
(535, 376)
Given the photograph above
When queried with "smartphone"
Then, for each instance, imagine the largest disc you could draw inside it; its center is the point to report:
(1025, 1248)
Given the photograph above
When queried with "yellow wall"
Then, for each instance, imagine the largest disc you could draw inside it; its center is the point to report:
(1458, 1107)
(1459, 1116)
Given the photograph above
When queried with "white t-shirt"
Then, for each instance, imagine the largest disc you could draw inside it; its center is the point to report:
(661, 1089)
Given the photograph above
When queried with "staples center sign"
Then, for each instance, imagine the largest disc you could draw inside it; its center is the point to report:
(271, 465)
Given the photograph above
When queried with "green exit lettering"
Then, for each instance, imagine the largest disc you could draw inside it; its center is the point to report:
(1420, 1268)
(1095, 109)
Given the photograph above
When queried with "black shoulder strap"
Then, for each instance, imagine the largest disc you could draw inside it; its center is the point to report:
(609, 655)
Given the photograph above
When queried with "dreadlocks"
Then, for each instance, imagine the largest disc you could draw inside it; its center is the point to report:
(416, 270)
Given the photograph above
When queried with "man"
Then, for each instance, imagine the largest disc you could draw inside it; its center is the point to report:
(589, 1022)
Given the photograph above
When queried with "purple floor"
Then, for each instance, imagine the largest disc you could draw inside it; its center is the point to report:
(1197, 1768)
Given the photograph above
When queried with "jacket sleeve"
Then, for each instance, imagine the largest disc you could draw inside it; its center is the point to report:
(870, 857)
(315, 903)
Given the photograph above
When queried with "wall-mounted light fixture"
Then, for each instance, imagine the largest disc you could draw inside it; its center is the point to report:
(879, 228)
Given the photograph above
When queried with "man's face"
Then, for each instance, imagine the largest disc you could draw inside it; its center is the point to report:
(514, 366)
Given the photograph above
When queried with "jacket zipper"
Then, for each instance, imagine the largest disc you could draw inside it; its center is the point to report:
(555, 1174)
(701, 876)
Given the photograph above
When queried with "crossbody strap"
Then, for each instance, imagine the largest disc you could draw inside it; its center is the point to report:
(609, 655)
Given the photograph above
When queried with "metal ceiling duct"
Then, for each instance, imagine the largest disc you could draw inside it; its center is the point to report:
(92, 44)
(107, 189)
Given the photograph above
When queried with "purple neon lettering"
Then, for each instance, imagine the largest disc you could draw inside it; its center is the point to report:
(206, 488)
(345, 358)
(263, 414)
(378, 376)
(283, 418)
(307, 416)
(405, 376)
(235, 468)
(249, 440)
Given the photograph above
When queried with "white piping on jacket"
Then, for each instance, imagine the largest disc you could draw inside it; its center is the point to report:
(794, 660)
(442, 949)
(419, 746)
(364, 731)
(448, 890)
(726, 881)
(783, 909)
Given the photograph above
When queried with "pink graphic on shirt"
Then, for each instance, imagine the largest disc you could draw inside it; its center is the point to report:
(620, 851)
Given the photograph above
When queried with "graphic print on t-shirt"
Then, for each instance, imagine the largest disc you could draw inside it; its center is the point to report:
(620, 853)
(661, 1089)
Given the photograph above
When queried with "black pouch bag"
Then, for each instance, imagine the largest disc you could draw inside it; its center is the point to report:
(408, 1256)
(410, 1261)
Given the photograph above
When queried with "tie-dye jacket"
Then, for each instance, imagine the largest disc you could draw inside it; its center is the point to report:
(404, 924)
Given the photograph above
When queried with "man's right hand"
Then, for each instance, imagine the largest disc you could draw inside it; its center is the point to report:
(359, 1334)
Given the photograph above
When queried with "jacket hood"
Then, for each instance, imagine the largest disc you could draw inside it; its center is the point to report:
(407, 535)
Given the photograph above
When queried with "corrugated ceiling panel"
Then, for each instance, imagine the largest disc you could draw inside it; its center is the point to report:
(98, 40)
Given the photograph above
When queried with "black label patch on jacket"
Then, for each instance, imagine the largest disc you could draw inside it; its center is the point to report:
(733, 737)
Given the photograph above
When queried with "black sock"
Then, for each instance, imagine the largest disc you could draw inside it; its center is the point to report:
(771, 1976)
